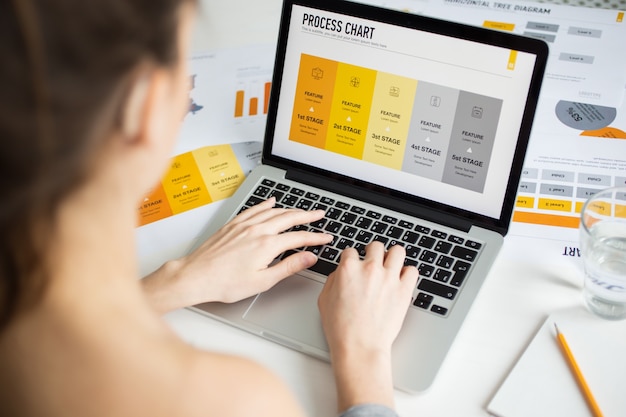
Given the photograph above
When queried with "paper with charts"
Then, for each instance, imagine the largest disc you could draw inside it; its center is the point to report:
(199, 177)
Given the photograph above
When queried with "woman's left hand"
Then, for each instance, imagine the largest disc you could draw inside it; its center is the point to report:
(237, 261)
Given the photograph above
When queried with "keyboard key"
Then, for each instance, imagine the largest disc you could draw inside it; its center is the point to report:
(382, 239)
(342, 205)
(289, 200)
(457, 279)
(394, 232)
(422, 229)
(357, 210)
(333, 227)
(364, 236)
(410, 237)
(460, 272)
(464, 253)
(427, 242)
(462, 267)
(423, 300)
(297, 191)
(443, 247)
(333, 213)
(412, 251)
(282, 187)
(373, 214)
(379, 227)
(456, 239)
(348, 218)
(428, 256)
(363, 222)
(261, 191)
(312, 196)
(349, 232)
(394, 242)
(405, 224)
(426, 270)
(438, 234)
(445, 261)
(473, 245)
(343, 243)
(329, 253)
(360, 248)
(316, 250)
(252, 201)
(323, 267)
(318, 206)
(278, 194)
(439, 310)
(268, 182)
(390, 220)
(442, 275)
(304, 204)
(327, 200)
(436, 288)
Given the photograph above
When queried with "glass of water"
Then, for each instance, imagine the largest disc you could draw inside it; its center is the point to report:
(603, 249)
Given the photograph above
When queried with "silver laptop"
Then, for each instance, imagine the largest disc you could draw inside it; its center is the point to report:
(407, 130)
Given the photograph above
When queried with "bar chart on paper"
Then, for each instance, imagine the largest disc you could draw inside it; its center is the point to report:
(229, 97)
(252, 93)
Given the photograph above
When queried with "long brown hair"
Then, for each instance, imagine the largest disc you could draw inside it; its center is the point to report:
(66, 66)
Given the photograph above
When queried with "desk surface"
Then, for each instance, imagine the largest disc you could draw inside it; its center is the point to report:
(515, 300)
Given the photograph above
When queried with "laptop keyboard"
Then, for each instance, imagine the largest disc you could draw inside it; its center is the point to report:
(443, 258)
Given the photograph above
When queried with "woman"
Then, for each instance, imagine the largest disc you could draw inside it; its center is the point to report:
(92, 96)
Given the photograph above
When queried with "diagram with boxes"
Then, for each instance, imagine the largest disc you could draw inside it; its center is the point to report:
(409, 125)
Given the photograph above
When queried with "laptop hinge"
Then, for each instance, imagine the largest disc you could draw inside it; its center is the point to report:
(387, 201)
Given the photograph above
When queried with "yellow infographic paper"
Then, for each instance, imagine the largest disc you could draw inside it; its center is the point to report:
(199, 177)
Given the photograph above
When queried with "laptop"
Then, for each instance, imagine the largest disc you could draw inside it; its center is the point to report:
(404, 129)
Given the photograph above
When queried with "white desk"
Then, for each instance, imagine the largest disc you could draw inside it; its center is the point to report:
(515, 300)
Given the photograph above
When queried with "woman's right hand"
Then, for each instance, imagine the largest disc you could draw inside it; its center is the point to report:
(363, 305)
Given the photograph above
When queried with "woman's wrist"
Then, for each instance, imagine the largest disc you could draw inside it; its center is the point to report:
(160, 288)
(363, 376)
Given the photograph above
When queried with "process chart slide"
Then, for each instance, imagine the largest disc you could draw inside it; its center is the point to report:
(413, 126)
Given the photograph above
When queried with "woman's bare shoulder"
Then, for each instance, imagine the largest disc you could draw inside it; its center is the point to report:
(235, 386)
(129, 370)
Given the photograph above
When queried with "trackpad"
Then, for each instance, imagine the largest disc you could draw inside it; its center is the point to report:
(290, 309)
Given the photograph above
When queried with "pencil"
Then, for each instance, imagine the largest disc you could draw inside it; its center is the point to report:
(580, 380)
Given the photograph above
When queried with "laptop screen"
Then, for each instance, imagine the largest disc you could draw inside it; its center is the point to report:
(413, 110)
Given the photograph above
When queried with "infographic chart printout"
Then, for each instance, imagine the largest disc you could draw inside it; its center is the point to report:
(559, 176)
(199, 177)
(414, 126)
(586, 59)
(228, 97)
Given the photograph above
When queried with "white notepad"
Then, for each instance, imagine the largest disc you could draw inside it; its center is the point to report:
(541, 383)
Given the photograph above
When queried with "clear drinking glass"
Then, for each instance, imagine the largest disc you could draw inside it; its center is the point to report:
(603, 249)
